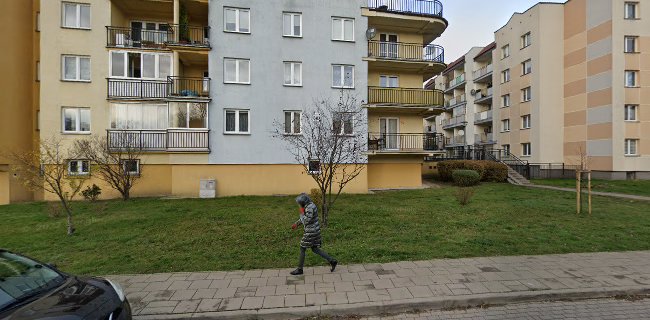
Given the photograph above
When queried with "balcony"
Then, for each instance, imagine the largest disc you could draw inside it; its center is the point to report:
(405, 142)
(410, 16)
(457, 121)
(172, 88)
(485, 138)
(174, 36)
(484, 98)
(484, 75)
(455, 83)
(455, 101)
(427, 60)
(484, 117)
(170, 140)
(404, 97)
(455, 141)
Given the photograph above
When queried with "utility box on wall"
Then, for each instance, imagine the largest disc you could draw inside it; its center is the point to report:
(208, 189)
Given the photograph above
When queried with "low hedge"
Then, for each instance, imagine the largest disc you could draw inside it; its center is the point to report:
(489, 171)
(466, 178)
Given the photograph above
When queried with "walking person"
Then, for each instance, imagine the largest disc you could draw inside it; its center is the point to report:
(311, 238)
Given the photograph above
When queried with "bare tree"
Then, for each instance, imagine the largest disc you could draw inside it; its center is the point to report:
(116, 162)
(46, 168)
(329, 140)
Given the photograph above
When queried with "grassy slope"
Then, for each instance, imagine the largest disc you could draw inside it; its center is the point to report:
(152, 235)
(640, 187)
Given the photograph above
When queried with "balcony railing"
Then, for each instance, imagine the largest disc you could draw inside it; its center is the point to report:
(405, 96)
(455, 141)
(180, 87)
(173, 87)
(125, 37)
(456, 82)
(484, 95)
(481, 117)
(406, 51)
(415, 7)
(483, 71)
(170, 140)
(484, 138)
(454, 122)
(456, 101)
(405, 142)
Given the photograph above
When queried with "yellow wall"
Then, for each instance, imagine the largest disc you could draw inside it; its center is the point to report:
(4, 188)
(408, 123)
(394, 175)
(406, 80)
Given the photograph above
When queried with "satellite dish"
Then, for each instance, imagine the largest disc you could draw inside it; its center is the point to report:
(371, 33)
(461, 132)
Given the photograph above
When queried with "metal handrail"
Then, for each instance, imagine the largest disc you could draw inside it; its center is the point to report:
(406, 51)
(405, 141)
(409, 96)
(456, 81)
(418, 7)
(456, 101)
(161, 140)
(483, 71)
(191, 36)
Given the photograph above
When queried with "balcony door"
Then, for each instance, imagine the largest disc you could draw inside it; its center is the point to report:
(388, 46)
(145, 34)
(388, 130)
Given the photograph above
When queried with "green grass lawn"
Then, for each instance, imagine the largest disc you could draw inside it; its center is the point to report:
(154, 235)
(639, 187)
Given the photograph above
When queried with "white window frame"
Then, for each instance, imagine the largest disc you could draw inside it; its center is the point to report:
(635, 79)
(77, 121)
(505, 51)
(343, 66)
(388, 79)
(505, 125)
(526, 67)
(293, 122)
(628, 147)
(187, 116)
(79, 171)
(341, 37)
(526, 94)
(635, 6)
(293, 73)
(505, 100)
(237, 71)
(342, 125)
(292, 19)
(238, 12)
(236, 132)
(526, 147)
(634, 41)
(125, 54)
(77, 24)
(525, 121)
(505, 76)
(526, 40)
(77, 68)
(131, 173)
(631, 112)
(506, 148)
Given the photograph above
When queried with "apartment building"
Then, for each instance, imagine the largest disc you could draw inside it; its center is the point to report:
(201, 84)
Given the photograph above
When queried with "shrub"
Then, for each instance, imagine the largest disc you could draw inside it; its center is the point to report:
(464, 195)
(487, 170)
(495, 172)
(92, 192)
(316, 197)
(466, 178)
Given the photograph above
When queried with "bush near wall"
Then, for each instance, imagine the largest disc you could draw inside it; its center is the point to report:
(466, 178)
(489, 171)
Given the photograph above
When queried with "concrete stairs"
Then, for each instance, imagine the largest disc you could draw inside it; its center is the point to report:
(517, 179)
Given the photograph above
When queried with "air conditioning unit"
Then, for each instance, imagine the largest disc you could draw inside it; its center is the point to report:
(208, 189)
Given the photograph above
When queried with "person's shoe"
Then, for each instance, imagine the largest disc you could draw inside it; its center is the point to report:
(333, 264)
(296, 272)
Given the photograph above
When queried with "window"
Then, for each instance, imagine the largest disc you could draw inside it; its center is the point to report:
(506, 150)
(237, 71)
(631, 147)
(389, 81)
(313, 167)
(505, 51)
(630, 78)
(38, 71)
(525, 122)
(139, 65)
(292, 122)
(505, 76)
(78, 167)
(293, 74)
(76, 120)
(136, 116)
(630, 112)
(526, 149)
(526, 94)
(526, 67)
(237, 122)
(292, 24)
(76, 68)
(343, 123)
(342, 76)
(38, 21)
(342, 29)
(630, 44)
(188, 115)
(237, 20)
(505, 101)
(131, 167)
(505, 125)
(525, 40)
(75, 15)
(631, 10)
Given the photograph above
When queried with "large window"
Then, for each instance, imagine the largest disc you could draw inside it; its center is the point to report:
(342, 29)
(76, 120)
(525, 40)
(136, 116)
(75, 68)
(188, 115)
(631, 147)
(75, 15)
(525, 122)
(342, 76)
(630, 112)
(293, 74)
(237, 71)
(389, 81)
(505, 100)
(139, 65)
(631, 78)
(343, 123)
(292, 124)
(505, 125)
(526, 149)
(237, 20)
(78, 167)
(292, 24)
(631, 10)
(631, 44)
(526, 94)
(237, 121)
(505, 76)
(526, 67)
(505, 51)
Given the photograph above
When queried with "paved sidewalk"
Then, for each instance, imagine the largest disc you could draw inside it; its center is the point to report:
(595, 193)
(390, 288)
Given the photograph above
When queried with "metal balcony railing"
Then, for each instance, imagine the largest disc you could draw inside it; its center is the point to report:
(484, 94)
(483, 71)
(455, 82)
(191, 36)
(484, 138)
(182, 87)
(180, 35)
(484, 116)
(455, 141)
(456, 101)
(405, 96)
(406, 51)
(170, 140)
(455, 121)
(405, 142)
(173, 87)
(416, 7)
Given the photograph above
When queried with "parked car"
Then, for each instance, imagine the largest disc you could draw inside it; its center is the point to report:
(33, 290)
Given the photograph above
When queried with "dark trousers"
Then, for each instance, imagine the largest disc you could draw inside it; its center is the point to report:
(317, 251)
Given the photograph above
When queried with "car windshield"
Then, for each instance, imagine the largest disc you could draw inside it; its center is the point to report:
(22, 278)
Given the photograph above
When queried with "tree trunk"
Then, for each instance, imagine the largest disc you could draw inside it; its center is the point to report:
(69, 214)
(126, 195)
(326, 209)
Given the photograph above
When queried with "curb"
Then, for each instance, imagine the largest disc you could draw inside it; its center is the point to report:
(411, 305)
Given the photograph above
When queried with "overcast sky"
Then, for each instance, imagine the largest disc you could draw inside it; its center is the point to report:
(472, 22)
